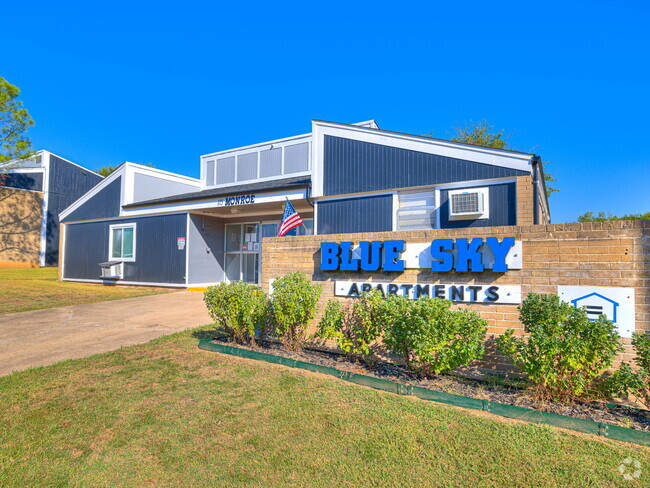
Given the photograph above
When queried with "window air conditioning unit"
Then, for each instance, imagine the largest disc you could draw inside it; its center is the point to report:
(468, 204)
(112, 270)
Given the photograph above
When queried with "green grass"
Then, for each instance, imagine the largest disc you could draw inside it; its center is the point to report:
(37, 288)
(168, 414)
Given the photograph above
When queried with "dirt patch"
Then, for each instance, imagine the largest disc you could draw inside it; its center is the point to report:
(492, 388)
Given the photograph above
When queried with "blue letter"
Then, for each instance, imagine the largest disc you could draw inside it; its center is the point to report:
(437, 253)
(392, 250)
(469, 253)
(370, 255)
(500, 252)
(347, 263)
(329, 256)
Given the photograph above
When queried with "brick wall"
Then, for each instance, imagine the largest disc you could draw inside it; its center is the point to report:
(613, 254)
(21, 214)
(525, 203)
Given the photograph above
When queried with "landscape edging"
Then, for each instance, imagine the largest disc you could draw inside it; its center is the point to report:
(509, 411)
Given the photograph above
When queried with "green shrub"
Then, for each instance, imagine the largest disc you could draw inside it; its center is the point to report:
(432, 338)
(292, 306)
(627, 381)
(240, 308)
(565, 352)
(354, 328)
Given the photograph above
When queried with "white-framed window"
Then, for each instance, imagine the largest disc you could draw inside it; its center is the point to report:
(416, 210)
(469, 203)
(121, 242)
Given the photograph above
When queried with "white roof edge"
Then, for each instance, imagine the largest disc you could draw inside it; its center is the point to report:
(426, 140)
(251, 146)
(119, 171)
(371, 122)
(162, 172)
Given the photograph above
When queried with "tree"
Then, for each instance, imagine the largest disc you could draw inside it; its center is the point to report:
(107, 170)
(483, 134)
(14, 123)
(601, 217)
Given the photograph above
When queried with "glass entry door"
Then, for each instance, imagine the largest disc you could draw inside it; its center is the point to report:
(242, 252)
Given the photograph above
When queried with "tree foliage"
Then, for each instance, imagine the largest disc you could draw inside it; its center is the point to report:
(14, 123)
(484, 134)
(601, 217)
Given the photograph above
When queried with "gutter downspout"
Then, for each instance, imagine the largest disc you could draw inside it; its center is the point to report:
(535, 163)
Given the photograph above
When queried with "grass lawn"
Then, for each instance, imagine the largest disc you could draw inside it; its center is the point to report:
(36, 288)
(168, 414)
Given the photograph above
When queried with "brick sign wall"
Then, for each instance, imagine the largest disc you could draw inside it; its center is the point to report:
(589, 255)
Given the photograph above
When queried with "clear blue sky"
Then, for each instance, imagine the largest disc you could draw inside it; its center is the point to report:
(163, 83)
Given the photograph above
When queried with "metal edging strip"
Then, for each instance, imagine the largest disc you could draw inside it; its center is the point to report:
(509, 411)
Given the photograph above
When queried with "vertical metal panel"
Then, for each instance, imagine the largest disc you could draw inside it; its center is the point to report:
(67, 182)
(247, 166)
(105, 204)
(205, 246)
(148, 187)
(23, 181)
(158, 259)
(271, 163)
(209, 173)
(225, 170)
(503, 208)
(296, 158)
(364, 214)
(354, 166)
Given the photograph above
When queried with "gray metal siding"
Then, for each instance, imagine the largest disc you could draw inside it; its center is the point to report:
(105, 204)
(67, 182)
(503, 208)
(23, 181)
(363, 214)
(205, 246)
(354, 166)
(147, 187)
(158, 259)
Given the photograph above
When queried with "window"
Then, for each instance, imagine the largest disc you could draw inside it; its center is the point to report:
(416, 210)
(470, 203)
(121, 244)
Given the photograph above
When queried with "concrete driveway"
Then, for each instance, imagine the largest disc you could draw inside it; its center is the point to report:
(41, 337)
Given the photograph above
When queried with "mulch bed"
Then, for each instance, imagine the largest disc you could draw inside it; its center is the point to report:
(492, 388)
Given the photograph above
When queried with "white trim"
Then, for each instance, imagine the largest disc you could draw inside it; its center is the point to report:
(37, 169)
(187, 247)
(436, 197)
(367, 123)
(395, 209)
(45, 163)
(315, 217)
(494, 157)
(120, 282)
(167, 175)
(111, 228)
(211, 202)
(259, 180)
(119, 171)
(204, 285)
(63, 229)
(266, 143)
(472, 183)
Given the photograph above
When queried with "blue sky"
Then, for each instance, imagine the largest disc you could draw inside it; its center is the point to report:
(147, 82)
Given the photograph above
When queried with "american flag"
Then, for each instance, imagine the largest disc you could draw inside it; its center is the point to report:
(290, 219)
